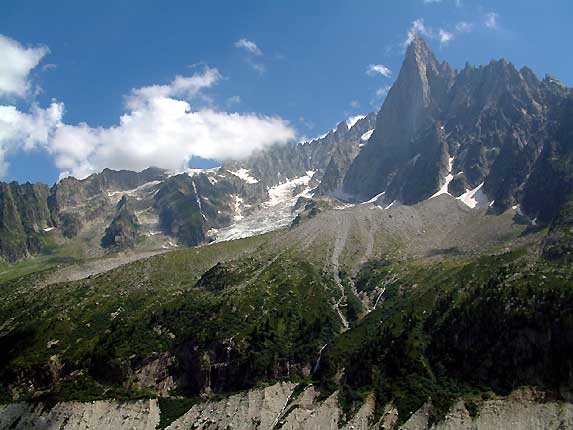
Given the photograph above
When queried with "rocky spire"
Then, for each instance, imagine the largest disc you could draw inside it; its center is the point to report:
(413, 103)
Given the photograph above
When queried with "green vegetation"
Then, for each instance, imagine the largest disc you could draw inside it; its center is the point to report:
(242, 322)
(242, 314)
(172, 408)
(457, 327)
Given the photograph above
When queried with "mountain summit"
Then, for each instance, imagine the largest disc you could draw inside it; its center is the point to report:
(481, 130)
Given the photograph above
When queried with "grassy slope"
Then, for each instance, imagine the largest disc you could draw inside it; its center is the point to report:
(90, 333)
(461, 327)
(450, 324)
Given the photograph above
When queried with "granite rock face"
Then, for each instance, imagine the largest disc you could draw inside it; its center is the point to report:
(497, 126)
(122, 232)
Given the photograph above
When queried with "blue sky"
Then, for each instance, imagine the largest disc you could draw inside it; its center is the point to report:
(307, 65)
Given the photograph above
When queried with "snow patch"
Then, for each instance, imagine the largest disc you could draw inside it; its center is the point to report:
(449, 178)
(134, 190)
(238, 211)
(366, 135)
(375, 198)
(350, 122)
(244, 174)
(273, 214)
(198, 200)
(415, 159)
(393, 204)
(475, 198)
(47, 229)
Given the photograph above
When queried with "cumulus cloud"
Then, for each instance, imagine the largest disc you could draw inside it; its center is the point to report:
(15, 67)
(159, 129)
(27, 131)
(492, 20)
(163, 125)
(165, 133)
(185, 87)
(378, 69)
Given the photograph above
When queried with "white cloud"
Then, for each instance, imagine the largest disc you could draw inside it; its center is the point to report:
(354, 104)
(165, 133)
(378, 69)
(464, 27)
(233, 100)
(16, 64)
(492, 20)
(417, 28)
(27, 131)
(252, 51)
(380, 95)
(185, 87)
(444, 36)
(161, 130)
(258, 67)
(249, 46)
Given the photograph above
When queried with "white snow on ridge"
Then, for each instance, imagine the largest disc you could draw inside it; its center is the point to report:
(373, 199)
(366, 135)
(475, 198)
(47, 229)
(134, 190)
(350, 122)
(244, 174)
(395, 203)
(272, 214)
(449, 178)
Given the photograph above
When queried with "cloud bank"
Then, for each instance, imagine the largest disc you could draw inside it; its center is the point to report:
(15, 67)
(160, 127)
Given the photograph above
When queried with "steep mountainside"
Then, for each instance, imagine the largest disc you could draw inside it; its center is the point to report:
(432, 301)
(490, 128)
(173, 209)
(411, 269)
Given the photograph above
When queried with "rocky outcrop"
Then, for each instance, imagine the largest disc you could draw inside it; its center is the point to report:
(329, 155)
(101, 415)
(492, 125)
(122, 232)
(24, 217)
(413, 104)
(286, 406)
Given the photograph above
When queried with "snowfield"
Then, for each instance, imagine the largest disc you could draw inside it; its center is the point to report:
(273, 214)
(245, 175)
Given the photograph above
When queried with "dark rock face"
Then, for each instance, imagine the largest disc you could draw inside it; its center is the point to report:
(559, 242)
(329, 156)
(73, 192)
(23, 216)
(501, 127)
(180, 211)
(412, 106)
(122, 232)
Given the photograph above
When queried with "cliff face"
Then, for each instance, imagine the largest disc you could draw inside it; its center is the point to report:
(24, 215)
(122, 231)
(284, 406)
(492, 125)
